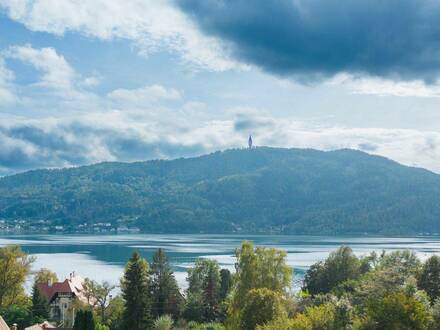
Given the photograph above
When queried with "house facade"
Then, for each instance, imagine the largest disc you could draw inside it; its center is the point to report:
(63, 297)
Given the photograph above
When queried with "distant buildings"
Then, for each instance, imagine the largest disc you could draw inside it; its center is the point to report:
(62, 297)
(250, 142)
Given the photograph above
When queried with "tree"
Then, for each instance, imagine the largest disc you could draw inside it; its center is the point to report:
(114, 312)
(203, 291)
(40, 305)
(340, 266)
(313, 318)
(45, 275)
(166, 298)
(84, 320)
(404, 262)
(135, 287)
(436, 314)
(429, 278)
(262, 306)
(398, 311)
(18, 314)
(14, 268)
(100, 326)
(98, 295)
(164, 322)
(256, 269)
(225, 282)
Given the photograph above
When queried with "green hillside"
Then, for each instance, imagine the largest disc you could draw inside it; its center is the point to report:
(264, 189)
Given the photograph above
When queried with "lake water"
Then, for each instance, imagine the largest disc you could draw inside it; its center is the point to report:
(102, 257)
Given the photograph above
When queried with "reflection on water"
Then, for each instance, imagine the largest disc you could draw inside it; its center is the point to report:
(102, 257)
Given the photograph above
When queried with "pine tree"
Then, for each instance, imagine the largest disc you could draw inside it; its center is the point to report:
(166, 297)
(135, 291)
(84, 320)
(225, 282)
(40, 305)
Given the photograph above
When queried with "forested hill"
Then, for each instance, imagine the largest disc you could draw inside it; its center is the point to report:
(263, 189)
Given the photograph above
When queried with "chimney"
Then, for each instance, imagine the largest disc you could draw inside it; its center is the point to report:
(14, 326)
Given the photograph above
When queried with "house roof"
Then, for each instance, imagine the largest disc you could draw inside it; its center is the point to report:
(72, 285)
(3, 325)
(42, 326)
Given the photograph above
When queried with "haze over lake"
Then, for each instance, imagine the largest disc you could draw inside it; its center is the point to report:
(102, 257)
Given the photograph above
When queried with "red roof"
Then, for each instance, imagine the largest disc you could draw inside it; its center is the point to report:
(57, 287)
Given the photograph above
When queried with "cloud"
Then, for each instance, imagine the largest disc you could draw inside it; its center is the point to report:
(144, 95)
(57, 86)
(7, 95)
(122, 136)
(312, 39)
(385, 87)
(57, 73)
(151, 25)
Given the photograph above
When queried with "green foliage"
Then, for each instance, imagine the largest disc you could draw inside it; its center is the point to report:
(166, 297)
(398, 311)
(436, 315)
(268, 189)
(320, 317)
(163, 322)
(205, 326)
(404, 262)
(114, 313)
(429, 278)
(84, 320)
(342, 265)
(203, 294)
(262, 306)
(98, 295)
(100, 326)
(14, 268)
(17, 314)
(40, 305)
(45, 275)
(225, 282)
(259, 268)
(135, 287)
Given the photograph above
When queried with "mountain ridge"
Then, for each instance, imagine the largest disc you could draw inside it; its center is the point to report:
(304, 191)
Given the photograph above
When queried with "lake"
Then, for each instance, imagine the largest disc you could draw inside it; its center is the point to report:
(102, 257)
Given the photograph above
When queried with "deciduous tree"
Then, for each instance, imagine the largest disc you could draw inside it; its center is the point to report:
(14, 268)
(429, 278)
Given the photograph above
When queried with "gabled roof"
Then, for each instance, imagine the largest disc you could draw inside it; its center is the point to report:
(72, 285)
(3, 325)
(42, 326)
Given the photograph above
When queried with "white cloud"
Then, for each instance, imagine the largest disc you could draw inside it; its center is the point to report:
(151, 25)
(57, 73)
(144, 95)
(7, 96)
(57, 87)
(386, 87)
(91, 81)
(126, 136)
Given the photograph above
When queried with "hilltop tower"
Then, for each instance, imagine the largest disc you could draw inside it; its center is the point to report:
(250, 142)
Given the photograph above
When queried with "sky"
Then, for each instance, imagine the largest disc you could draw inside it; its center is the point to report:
(89, 81)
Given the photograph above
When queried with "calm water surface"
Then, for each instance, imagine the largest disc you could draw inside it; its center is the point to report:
(102, 257)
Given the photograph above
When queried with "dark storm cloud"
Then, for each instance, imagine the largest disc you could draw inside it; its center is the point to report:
(250, 124)
(312, 39)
